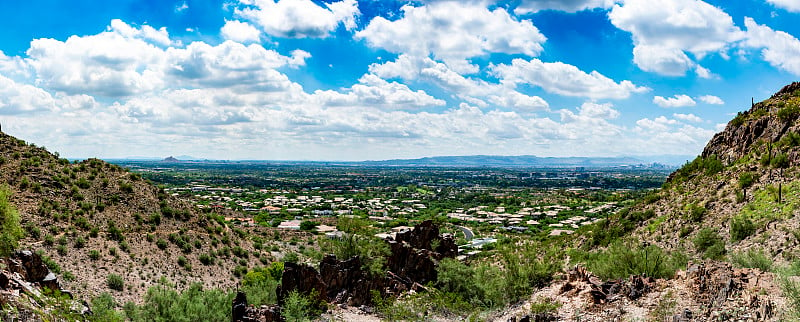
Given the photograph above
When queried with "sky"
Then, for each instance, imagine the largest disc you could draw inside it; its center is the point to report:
(374, 80)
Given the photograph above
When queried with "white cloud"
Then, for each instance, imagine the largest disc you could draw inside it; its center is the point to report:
(239, 31)
(375, 91)
(688, 117)
(114, 63)
(711, 99)
(564, 79)
(676, 101)
(181, 7)
(473, 91)
(665, 30)
(453, 32)
(789, 5)
(779, 48)
(300, 18)
(533, 6)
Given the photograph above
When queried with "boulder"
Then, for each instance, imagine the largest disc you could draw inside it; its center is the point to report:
(35, 269)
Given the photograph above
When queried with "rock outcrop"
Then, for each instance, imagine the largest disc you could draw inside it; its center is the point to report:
(244, 313)
(25, 279)
(412, 261)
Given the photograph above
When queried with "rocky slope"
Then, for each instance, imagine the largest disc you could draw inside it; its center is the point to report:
(94, 219)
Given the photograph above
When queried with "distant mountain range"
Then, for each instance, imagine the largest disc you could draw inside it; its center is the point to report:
(469, 161)
(530, 161)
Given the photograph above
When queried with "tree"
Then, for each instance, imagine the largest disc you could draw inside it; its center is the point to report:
(10, 230)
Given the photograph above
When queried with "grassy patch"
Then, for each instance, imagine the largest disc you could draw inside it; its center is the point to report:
(623, 259)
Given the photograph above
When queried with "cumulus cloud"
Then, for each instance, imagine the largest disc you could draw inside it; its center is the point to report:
(778, 48)
(665, 30)
(788, 5)
(711, 99)
(453, 32)
(676, 101)
(375, 91)
(239, 31)
(114, 63)
(299, 18)
(474, 91)
(533, 6)
(564, 79)
(688, 117)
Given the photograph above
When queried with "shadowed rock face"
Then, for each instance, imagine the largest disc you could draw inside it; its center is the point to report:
(760, 123)
(412, 262)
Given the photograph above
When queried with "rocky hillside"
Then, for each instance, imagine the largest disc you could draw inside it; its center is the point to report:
(743, 189)
(96, 222)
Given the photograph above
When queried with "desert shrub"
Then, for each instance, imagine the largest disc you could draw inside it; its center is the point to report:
(94, 254)
(741, 228)
(162, 244)
(746, 179)
(696, 212)
(83, 183)
(182, 261)
(791, 139)
(752, 259)
(788, 112)
(297, 307)
(80, 242)
(10, 229)
(623, 259)
(163, 303)
(125, 187)
(115, 233)
(307, 225)
(115, 282)
(781, 160)
(104, 309)
(260, 287)
(291, 257)
(206, 259)
(710, 244)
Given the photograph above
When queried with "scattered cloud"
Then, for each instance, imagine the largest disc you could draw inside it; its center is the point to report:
(239, 31)
(676, 101)
(664, 31)
(533, 6)
(788, 5)
(778, 48)
(564, 79)
(453, 32)
(688, 117)
(299, 18)
(711, 99)
(181, 7)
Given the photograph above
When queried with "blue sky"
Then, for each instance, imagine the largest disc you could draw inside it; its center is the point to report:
(366, 80)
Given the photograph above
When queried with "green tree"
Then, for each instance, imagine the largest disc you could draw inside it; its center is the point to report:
(11, 230)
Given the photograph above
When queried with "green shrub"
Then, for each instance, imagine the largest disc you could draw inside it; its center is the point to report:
(104, 309)
(788, 112)
(297, 307)
(710, 244)
(741, 228)
(10, 229)
(94, 254)
(746, 179)
(164, 303)
(162, 244)
(696, 213)
(752, 259)
(260, 287)
(115, 282)
(623, 259)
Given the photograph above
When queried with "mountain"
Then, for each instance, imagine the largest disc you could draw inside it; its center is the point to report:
(93, 220)
(511, 161)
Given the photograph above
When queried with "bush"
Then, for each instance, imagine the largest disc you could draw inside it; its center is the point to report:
(297, 307)
(104, 309)
(696, 213)
(741, 228)
(115, 282)
(164, 303)
(623, 259)
(710, 244)
(260, 287)
(10, 229)
(162, 244)
(206, 259)
(746, 179)
(780, 161)
(752, 259)
(94, 254)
